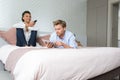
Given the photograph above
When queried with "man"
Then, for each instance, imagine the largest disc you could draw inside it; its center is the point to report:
(25, 32)
(61, 38)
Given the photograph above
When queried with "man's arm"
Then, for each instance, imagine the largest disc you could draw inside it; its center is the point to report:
(49, 43)
(59, 43)
(72, 42)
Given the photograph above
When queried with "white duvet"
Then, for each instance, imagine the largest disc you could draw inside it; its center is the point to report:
(63, 64)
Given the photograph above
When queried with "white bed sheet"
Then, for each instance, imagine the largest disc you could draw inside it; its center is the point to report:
(64, 64)
(5, 51)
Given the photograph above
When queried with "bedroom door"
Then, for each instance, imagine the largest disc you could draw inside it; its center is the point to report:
(114, 35)
(97, 22)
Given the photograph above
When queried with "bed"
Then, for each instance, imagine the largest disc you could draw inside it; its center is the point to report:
(90, 63)
(111, 75)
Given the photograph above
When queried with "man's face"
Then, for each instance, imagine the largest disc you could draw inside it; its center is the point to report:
(59, 30)
(27, 17)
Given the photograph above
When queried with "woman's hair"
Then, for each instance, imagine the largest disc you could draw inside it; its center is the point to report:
(61, 22)
(24, 14)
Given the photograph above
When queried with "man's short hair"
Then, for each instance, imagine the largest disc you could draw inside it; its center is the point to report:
(59, 22)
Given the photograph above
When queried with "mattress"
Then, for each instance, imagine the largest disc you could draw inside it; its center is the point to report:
(62, 64)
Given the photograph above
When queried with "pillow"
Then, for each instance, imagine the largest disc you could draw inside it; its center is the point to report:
(79, 44)
(9, 36)
(41, 39)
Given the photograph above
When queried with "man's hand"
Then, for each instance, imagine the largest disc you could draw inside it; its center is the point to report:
(58, 43)
(49, 44)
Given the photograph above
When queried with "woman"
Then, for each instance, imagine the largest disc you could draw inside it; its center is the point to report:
(25, 31)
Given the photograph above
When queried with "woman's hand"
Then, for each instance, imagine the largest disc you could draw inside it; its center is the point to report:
(31, 24)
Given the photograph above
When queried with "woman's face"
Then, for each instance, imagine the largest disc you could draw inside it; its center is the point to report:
(27, 17)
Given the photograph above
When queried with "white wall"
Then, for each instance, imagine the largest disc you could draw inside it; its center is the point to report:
(46, 11)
